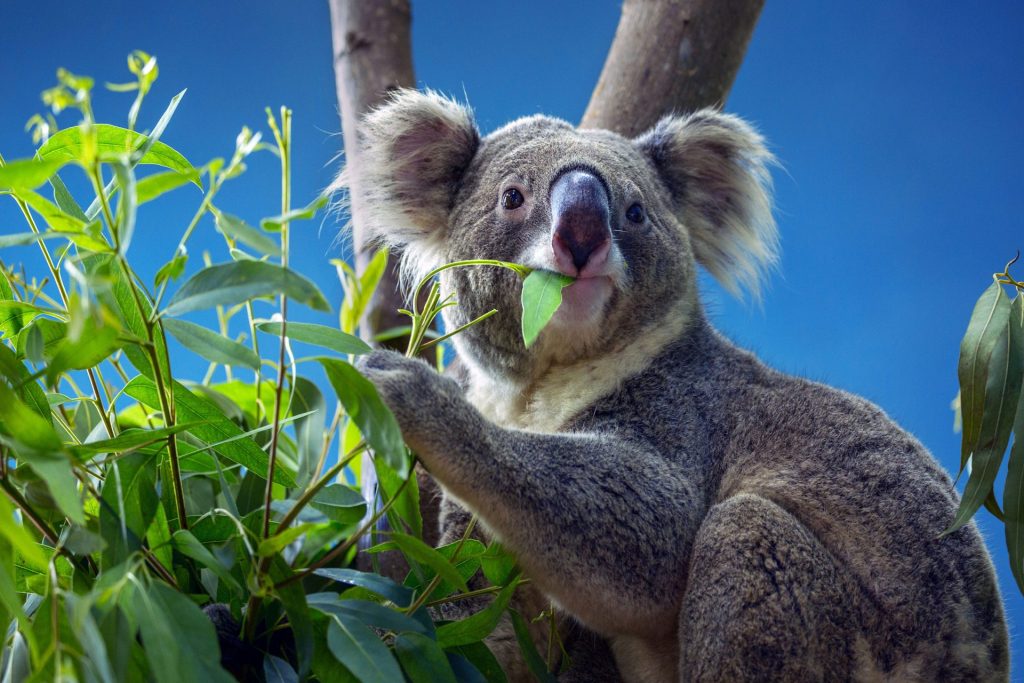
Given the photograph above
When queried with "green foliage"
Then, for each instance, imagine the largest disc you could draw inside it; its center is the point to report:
(991, 408)
(131, 497)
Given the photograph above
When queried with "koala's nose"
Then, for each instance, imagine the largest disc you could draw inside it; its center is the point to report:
(581, 237)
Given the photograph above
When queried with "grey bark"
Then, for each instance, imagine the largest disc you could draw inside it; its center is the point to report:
(670, 56)
(372, 56)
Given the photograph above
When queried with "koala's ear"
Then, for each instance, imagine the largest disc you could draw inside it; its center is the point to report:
(414, 151)
(716, 167)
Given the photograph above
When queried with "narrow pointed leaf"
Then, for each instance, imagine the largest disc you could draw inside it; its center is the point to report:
(541, 297)
(1001, 395)
(362, 403)
(113, 141)
(152, 186)
(423, 553)
(375, 583)
(210, 345)
(319, 335)
(188, 544)
(361, 651)
(480, 625)
(274, 224)
(987, 322)
(237, 229)
(529, 650)
(423, 659)
(1013, 491)
(28, 173)
(212, 428)
(233, 283)
(127, 205)
(370, 613)
(340, 503)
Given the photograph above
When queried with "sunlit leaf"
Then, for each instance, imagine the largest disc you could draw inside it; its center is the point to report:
(541, 297)
(478, 626)
(28, 173)
(126, 206)
(211, 427)
(149, 188)
(112, 142)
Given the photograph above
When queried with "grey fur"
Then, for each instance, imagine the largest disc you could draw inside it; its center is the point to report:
(710, 518)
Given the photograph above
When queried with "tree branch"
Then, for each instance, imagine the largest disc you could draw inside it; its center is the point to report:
(670, 56)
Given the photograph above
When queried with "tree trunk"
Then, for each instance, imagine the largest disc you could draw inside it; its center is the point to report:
(372, 57)
(670, 56)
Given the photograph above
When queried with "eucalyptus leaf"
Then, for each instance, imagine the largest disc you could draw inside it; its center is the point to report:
(423, 553)
(112, 142)
(318, 335)
(237, 229)
(988, 320)
(423, 659)
(274, 224)
(364, 406)
(28, 173)
(210, 345)
(361, 651)
(533, 660)
(541, 297)
(1002, 392)
(340, 503)
(149, 188)
(240, 281)
(375, 583)
(480, 625)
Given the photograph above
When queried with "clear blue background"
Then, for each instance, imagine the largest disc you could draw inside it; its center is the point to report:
(898, 126)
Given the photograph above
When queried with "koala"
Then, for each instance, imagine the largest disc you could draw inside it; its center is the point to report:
(694, 514)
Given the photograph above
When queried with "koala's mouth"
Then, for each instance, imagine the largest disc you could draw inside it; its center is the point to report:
(585, 300)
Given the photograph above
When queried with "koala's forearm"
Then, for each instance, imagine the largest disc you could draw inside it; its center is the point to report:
(600, 523)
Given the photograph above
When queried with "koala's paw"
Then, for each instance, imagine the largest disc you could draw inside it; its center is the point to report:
(428, 407)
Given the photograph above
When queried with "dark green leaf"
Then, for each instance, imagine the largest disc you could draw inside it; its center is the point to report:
(382, 586)
(293, 598)
(376, 423)
(482, 660)
(128, 504)
(422, 659)
(340, 503)
(212, 427)
(478, 626)
(1001, 394)
(131, 439)
(210, 345)
(370, 613)
(309, 430)
(62, 484)
(319, 335)
(533, 659)
(179, 640)
(424, 554)
(1013, 491)
(541, 297)
(28, 173)
(233, 283)
(112, 141)
(237, 229)
(188, 544)
(988, 321)
(276, 670)
(362, 653)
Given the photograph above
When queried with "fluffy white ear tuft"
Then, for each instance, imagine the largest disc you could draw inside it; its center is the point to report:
(413, 153)
(716, 166)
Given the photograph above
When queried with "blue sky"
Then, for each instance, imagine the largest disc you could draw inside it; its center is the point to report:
(898, 126)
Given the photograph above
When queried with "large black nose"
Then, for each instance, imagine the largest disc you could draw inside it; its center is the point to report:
(580, 221)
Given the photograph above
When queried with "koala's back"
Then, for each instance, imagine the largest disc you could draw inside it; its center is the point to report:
(915, 606)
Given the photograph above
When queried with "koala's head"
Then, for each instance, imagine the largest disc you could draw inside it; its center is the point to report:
(628, 218)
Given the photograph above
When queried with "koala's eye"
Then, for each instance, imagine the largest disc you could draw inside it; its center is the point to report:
(512, 199)
(635, 214)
